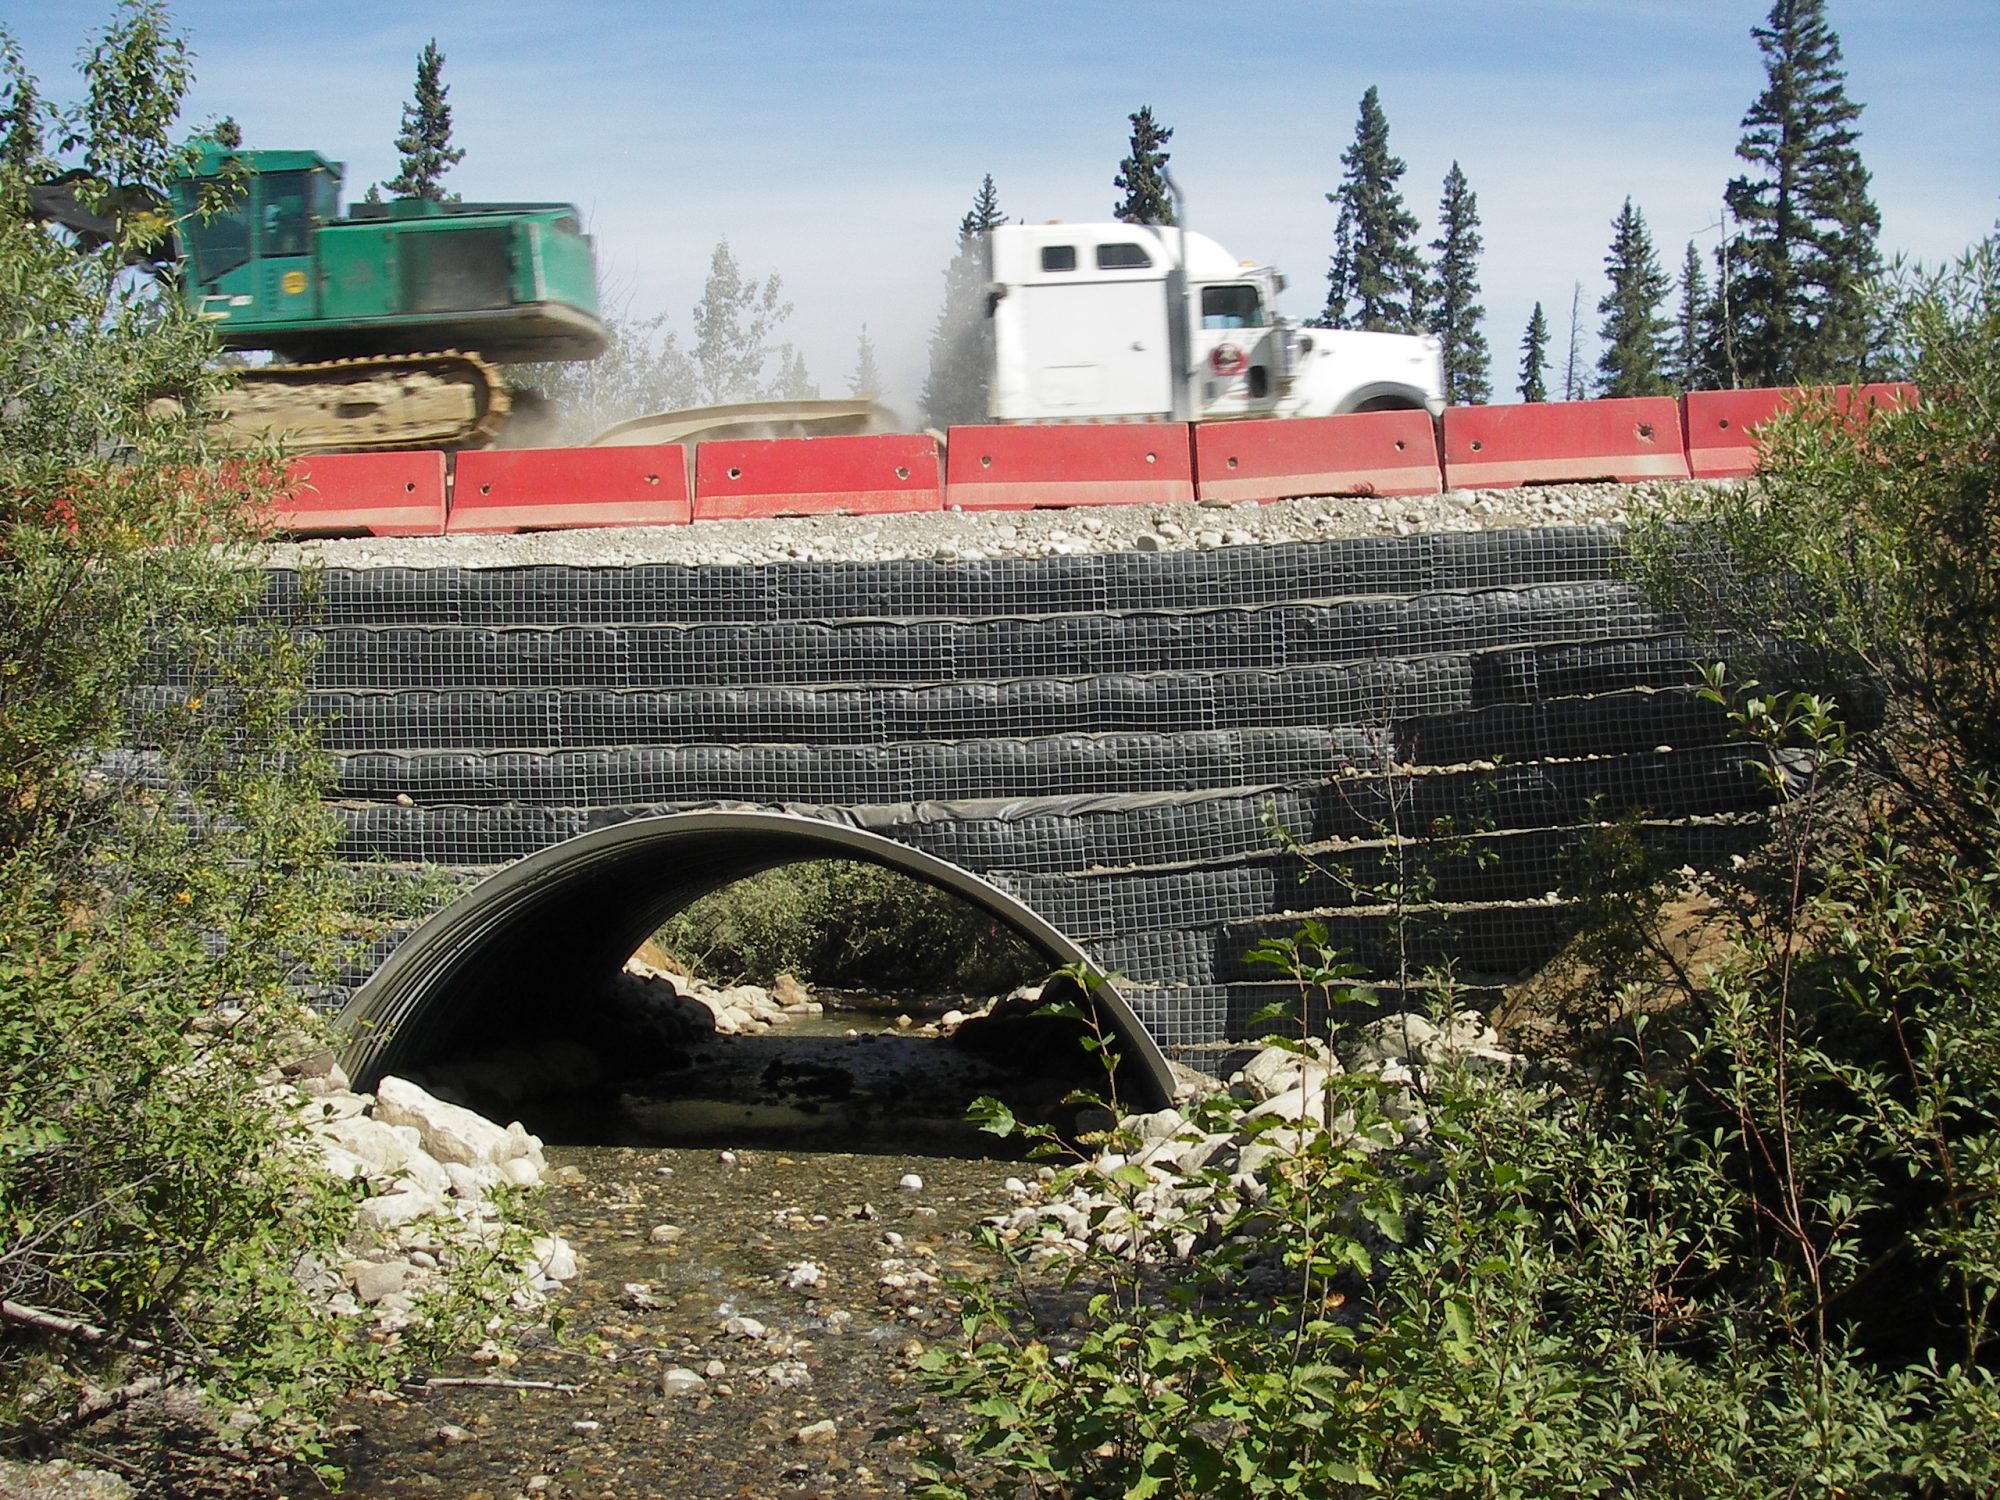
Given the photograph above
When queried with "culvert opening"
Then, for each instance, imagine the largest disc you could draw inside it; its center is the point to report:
(625, 989)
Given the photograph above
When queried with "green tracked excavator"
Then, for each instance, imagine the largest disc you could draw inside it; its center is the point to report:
(385, 321)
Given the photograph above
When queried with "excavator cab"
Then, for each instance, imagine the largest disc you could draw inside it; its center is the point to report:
(247, 222)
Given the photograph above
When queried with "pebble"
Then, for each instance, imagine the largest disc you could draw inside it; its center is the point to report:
(663, 1234)
(910, 1182)
(815, 1434)
(680, 1382)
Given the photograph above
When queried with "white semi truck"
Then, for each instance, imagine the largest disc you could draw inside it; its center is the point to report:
(1130, 322)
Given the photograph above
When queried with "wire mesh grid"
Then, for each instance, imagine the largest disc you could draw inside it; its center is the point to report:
(1168, 755)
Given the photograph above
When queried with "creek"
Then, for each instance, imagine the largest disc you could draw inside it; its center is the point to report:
(753, 1295)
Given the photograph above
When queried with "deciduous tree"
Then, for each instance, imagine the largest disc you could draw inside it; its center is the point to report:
(734, 325)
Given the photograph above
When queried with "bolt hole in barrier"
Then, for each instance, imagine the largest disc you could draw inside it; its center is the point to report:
(838, 475)
(1028, 467)
(542, 489)
(529, 936)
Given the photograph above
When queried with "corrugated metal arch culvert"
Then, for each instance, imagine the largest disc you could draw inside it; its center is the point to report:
(542, 927)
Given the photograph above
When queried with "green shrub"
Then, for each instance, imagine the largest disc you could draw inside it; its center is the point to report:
(849, 925)
(165, 879)
(1750, 1244)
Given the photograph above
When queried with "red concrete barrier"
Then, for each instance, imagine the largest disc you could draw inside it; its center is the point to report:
(544, 489)
(381, 494)
(1021, 468)
(1721, 426)
(816, 476)
(1367, 453)
(1549, 442)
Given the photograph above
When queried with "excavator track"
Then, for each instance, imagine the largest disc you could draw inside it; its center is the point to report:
(375, 404)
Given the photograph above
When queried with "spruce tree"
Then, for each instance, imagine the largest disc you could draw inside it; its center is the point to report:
(1382, 274)
(1691, 328)
(960, 352)
(425, 142)
(1455, 308)
(1804, 252)
(227, 133)
(867, 377)
(1635, 353)
(1535, 357)
(1142, 175)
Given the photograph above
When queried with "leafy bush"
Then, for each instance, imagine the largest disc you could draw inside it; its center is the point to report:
(849, 925)
(165, 880)
(1748, 1247)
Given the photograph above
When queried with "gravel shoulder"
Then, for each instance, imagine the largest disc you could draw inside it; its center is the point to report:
(969, 536)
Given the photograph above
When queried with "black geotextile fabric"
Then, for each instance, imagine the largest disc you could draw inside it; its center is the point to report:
(1129, 743)
(1075, 583)
(941, 649)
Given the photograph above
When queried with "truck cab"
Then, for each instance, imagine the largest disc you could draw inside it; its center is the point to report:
(1124, 322)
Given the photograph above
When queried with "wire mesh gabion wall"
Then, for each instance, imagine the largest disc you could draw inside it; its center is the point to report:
(1169, 755)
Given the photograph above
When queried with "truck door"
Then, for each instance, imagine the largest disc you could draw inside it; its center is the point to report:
(1236, 348)
(284, 205)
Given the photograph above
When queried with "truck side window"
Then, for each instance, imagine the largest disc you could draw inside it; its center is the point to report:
(1058, 257)
(1123, 257)
(1231, 307)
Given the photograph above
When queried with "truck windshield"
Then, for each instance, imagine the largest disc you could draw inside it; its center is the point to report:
(1231, 307)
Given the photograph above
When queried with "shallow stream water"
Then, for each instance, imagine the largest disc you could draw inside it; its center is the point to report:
(783, 1201)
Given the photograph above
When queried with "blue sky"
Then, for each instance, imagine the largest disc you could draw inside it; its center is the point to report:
(837, 144)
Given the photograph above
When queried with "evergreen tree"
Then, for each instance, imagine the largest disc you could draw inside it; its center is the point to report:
(733, 325)
(1535, 357)
(1376, 267)
(961, 343)
(867, 377)
(425, 142)
(1692, 328)
(1635, 335)
(1455, 308)
(793, 383)
(1805, 249)
(227, 133)
(1142, 176)
(374, 193)
(1340, 274)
